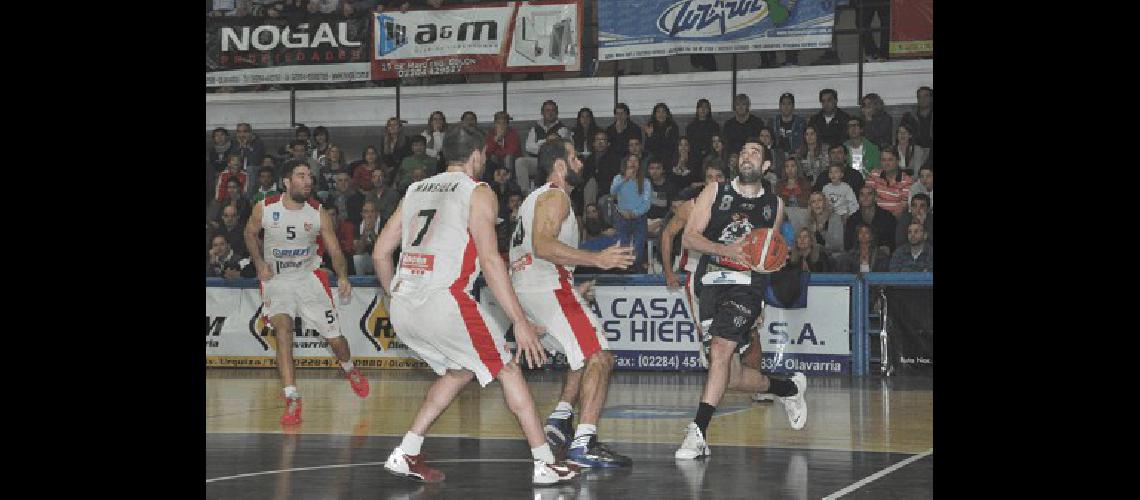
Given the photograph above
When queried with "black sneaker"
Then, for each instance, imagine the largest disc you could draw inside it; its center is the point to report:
(559, 432)
(596, 454)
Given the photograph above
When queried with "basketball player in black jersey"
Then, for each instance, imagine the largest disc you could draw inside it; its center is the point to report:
(731, 294)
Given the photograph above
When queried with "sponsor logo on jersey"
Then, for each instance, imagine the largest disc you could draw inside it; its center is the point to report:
(417, 263)
(308, 227)
(767, 212)
(520, 263)
(282, 253)
(276, 216)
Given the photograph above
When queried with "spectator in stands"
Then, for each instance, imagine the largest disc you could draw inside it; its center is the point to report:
(633, 193)
(838, 154)
(470, 119)
(249, 147)
(387, 198)
(777, 154)
(222, 261)
(916, 256)
(266, 184)
(345, 233)
(622, 130)
(743, 125)
(686, 169)
(358, 8)
(812, 155)
(326, 7)
(527, 168)
(331, 163)
(826, 226)
(919, 213)
(394, 145)
(231, 224)
(321, 143)
(866, 254)
(365, 236)
(661, 199)
(508, 219)
(921, 120)
(839, 194)
(830, 122)
(503, 145)
(869, 213)
(503, 187)
(701, 130)
(298, 150)
(911, 155)
(807, 255)
(433, 134)
(233, 171)
(362, 182)
(583, 133)
(418, 159)
(718, 156)
(347, 198)
(662, 134)
(606, 164)
(787, 127)
(862, 154)
(793, 187)
(892, 186)
(878, 123)
(219, 152)
(302, 135)
(594, 227)
(925, 184)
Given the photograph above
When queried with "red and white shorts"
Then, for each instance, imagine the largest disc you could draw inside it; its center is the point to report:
(302, 295)
(571, 327)
(449, 330)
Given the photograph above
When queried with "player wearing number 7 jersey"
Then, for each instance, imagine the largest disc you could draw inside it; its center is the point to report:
(445, 228)
(292, 283)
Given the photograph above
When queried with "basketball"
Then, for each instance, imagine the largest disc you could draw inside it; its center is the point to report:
(766, 250)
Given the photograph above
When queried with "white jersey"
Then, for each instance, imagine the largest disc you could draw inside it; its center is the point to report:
(436, 249)
(290, 246)
(528, 272)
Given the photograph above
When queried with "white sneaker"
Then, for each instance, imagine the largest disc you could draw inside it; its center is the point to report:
(545, 473)
(694, 445)
(763, 397)
(796, 406)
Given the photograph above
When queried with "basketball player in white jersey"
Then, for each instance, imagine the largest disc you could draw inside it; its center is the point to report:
(445, 228)
(292, 283)
(544, 252)
(732, 294)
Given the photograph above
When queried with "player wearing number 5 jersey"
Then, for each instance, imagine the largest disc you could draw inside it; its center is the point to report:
(445, 229)
(292, 283)
(544, 252)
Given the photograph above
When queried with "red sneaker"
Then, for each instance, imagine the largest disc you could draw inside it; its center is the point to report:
(358, 382)
(292, 414)
(412, 466)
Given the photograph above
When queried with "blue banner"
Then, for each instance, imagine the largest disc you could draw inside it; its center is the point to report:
(630, 29)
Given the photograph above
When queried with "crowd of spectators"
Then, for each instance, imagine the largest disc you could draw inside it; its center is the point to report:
(859, 190)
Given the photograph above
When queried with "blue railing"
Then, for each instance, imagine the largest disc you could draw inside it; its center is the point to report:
(860, 286)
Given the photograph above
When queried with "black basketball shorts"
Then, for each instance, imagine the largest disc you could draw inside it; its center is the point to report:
(733, 310)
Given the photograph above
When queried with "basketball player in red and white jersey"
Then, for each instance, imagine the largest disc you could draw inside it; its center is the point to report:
(445, 228)
(293, 284)
(544, 252)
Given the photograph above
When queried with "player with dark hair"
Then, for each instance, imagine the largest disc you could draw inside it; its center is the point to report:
(544, 251)
(731, 294)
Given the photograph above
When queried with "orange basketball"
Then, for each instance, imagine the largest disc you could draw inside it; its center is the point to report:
(766, 250)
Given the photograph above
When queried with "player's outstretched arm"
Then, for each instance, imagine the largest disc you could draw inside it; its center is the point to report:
(332, 245)
(550, 210)
(481, 224)
(386, 245)
(694, 238)
(675, 225)
(253, 243)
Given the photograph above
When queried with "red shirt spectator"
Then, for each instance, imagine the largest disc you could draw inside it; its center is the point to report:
(892, 186)
(233, 170)
(794, 189)
(503, 141)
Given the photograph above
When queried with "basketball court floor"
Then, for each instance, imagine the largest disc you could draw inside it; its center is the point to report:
(866, 437)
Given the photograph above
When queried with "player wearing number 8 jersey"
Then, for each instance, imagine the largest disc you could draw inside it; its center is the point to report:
(445, 229)
(731, 293)
(544, 252)
(292, 283)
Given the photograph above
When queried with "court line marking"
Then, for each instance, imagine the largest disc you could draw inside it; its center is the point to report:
(879, 474)
(339, 466)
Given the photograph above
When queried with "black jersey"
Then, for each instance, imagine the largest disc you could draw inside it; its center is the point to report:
(733, 217)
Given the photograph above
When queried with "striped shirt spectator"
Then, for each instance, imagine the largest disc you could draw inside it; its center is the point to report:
(892, 186)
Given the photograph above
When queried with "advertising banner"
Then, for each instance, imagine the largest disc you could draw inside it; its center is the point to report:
(912, 28)
(494, 38)
(315, 49)
(630, 29)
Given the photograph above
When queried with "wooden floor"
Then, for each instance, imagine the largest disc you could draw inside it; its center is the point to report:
(855, 429)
